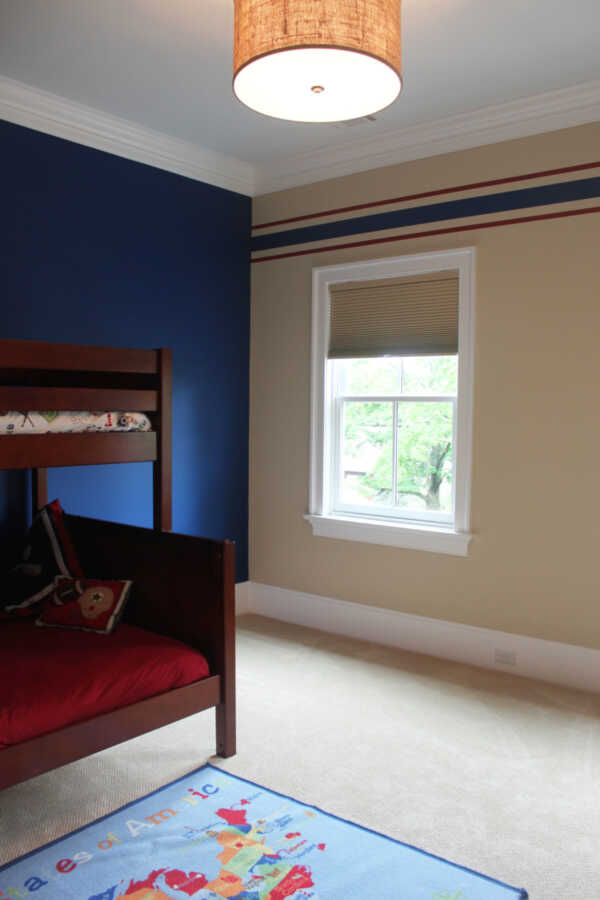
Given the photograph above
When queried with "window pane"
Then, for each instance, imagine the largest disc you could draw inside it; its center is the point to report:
(429, 374)
(425, 456)
(382, 375)
(400, 375)
(367, 449)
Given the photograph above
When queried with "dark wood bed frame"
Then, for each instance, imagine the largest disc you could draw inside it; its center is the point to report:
(184, 586)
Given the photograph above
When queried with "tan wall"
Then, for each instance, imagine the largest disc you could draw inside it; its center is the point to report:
(533, 565)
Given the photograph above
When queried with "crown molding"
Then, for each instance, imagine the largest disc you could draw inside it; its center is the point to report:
(541, 113)
(34, 108)
(43, 111)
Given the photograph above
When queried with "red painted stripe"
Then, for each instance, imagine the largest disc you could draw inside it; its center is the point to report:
(433, 232)
(436, 193)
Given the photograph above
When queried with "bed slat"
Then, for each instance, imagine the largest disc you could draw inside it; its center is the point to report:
(45, 355)
(36, 398)
(18, 451)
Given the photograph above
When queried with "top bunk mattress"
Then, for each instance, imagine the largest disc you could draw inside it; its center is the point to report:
(71, 422)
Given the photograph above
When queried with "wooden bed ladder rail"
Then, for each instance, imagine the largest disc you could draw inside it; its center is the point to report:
(39, 489)
(162, 468)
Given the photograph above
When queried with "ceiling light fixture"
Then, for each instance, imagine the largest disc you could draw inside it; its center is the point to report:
(317, 60)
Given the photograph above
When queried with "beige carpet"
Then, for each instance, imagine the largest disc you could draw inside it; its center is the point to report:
(497, 773)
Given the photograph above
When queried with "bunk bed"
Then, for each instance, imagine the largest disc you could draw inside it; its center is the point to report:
(183, 586)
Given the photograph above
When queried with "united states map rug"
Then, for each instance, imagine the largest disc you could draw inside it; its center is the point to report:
(211, 835)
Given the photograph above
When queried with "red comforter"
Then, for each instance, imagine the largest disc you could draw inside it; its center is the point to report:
(53, 677)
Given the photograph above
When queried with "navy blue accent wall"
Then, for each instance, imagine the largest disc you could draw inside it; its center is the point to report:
(95, 249)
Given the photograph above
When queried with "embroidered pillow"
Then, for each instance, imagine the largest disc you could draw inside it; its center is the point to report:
(46, 551)
(89, 604)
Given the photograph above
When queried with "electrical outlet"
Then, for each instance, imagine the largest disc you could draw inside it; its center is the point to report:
(505, 657)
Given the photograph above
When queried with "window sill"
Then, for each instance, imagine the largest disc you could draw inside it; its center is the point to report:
(434, 539)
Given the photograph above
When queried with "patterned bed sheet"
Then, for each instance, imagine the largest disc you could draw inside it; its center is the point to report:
(71, 421)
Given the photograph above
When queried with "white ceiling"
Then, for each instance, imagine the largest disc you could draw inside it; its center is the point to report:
(166, 65)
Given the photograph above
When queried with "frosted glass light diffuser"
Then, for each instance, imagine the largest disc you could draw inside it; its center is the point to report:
(317, 85)
(317, 60)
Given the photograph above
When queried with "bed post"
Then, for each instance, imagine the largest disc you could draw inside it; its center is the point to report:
(39, 488)
(225, 711)
(162, 468)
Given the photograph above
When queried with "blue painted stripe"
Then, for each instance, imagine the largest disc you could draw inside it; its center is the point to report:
(505, 201)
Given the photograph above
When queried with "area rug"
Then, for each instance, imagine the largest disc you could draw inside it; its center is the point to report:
(211, 835)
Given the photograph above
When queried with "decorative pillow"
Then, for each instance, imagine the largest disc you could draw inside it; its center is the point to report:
(47, 551)
(89, 604)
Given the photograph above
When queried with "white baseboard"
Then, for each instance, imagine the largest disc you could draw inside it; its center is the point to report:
(566, 664)
(242, 598)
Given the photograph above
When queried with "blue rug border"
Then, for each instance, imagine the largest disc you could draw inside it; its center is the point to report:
(521, 892)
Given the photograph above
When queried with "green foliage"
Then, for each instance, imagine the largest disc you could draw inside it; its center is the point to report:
(424, 437)
(401, 375)
(368, 422)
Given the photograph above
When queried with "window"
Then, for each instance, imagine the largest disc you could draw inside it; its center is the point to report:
(392, 401)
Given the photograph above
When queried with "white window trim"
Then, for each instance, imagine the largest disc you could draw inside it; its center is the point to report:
(369, 529)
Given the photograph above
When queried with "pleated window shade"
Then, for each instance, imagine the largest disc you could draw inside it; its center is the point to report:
(416, 315)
